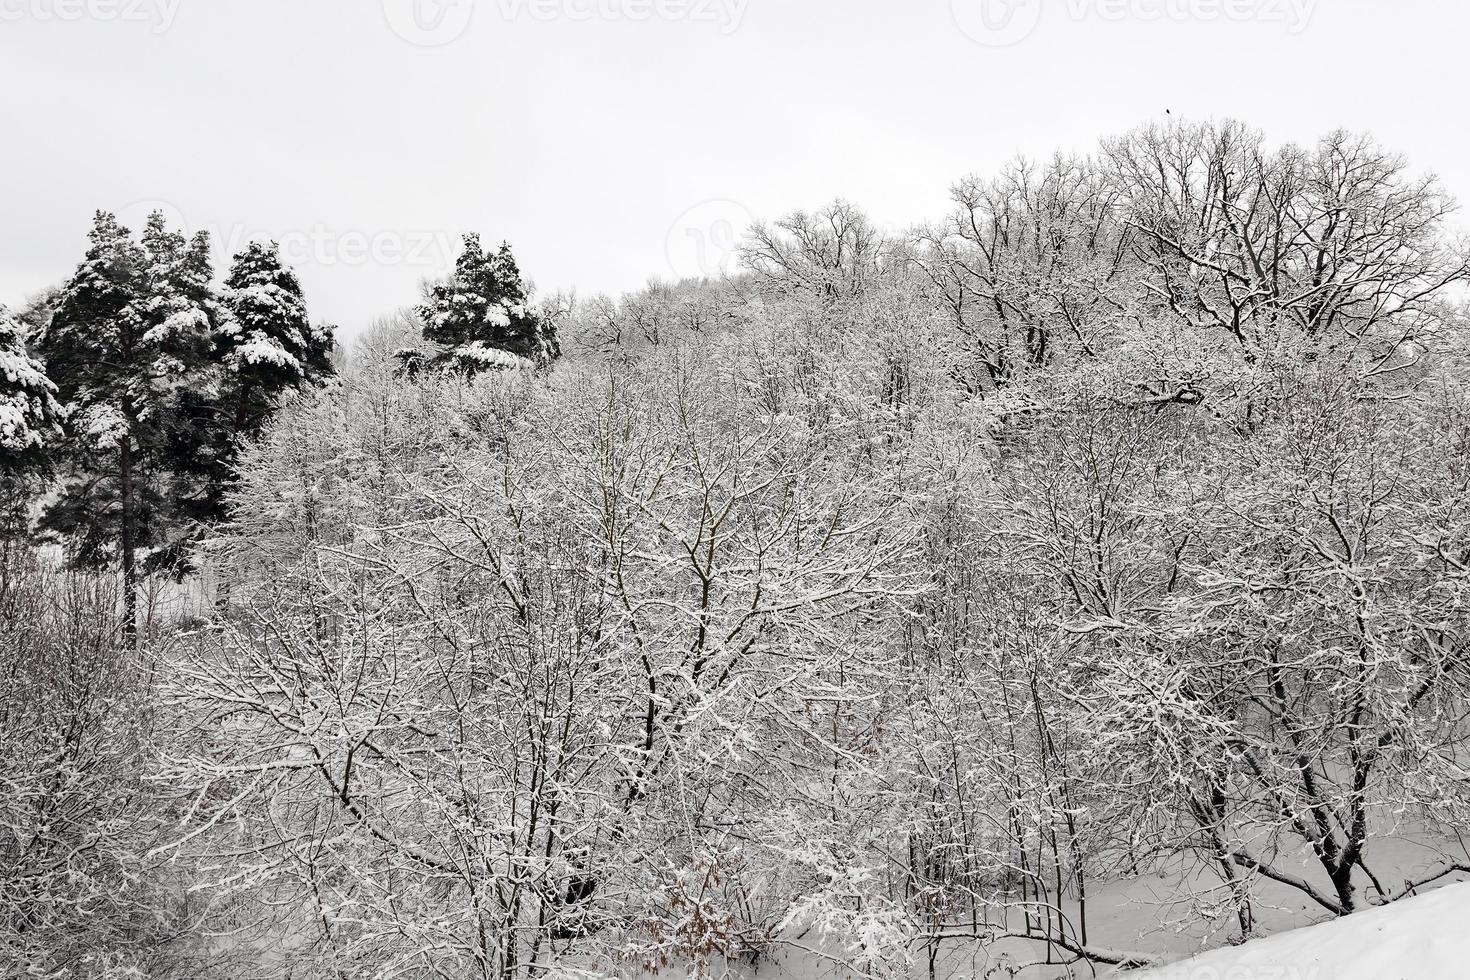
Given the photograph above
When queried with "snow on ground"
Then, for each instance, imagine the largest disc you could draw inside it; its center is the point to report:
(1421, 938)
(1152, 914)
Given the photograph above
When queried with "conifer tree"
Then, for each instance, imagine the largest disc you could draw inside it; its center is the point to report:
(266, 347)
(270, 346)
(30, 420)
(130, 336)
(480, 318)
(181, 278)
(30, 416)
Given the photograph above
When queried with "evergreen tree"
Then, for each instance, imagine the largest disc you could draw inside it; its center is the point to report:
(128, 339)
(30, 419)
(480, 318)
(270, 346)
(30, 416)
(181, 275)
(266, 347)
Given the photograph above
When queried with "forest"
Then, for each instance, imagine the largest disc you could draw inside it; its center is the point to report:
(1072, 582)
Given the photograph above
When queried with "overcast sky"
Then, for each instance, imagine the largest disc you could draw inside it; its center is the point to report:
(612, 141)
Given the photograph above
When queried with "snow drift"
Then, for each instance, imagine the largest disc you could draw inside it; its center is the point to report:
(1422, 938)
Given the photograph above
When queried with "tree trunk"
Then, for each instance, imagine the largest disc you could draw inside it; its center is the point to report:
(128, 545)
(1347, 889)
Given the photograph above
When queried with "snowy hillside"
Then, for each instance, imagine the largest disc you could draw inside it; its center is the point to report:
(1075, 580)
(1423, 938)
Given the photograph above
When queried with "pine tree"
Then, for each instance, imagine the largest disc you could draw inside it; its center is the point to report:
(270, 346)
(266, 347)
(181, 275)
(30, 424)
(480, 318)
(128, 340)
(30, 416)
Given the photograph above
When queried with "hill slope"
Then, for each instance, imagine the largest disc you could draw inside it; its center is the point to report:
(1422, 938)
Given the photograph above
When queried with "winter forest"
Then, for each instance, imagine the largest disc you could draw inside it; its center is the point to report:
(1054, 589)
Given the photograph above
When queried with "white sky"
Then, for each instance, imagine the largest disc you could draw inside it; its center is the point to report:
(611, 141)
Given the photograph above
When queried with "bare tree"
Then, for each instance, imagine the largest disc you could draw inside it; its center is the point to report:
(1030, 266)
(1338, 242)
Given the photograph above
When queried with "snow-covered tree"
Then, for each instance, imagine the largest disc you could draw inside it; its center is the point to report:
(180, 274)
(30, 425)
(659, 315)
(265, 348)
(128, 339)
(612, 592)
(30, 416)
(269, 345)
(78, 895)
(834, 253)
(1028, 269)
(480, 318)
(1339, 241)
